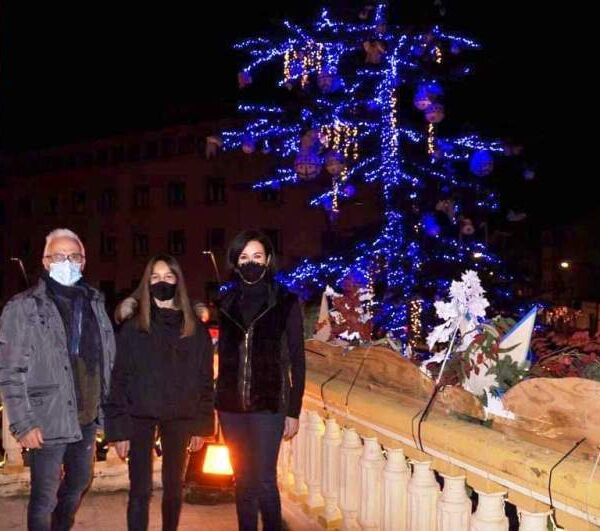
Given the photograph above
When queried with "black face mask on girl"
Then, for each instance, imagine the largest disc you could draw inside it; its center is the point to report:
(163, 291)
(251, 272)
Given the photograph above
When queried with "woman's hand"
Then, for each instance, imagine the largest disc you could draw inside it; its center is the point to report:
(122, 448)
(291, 427)
(196, 443)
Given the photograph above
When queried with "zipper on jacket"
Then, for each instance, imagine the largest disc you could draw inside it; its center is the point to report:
(245, 398)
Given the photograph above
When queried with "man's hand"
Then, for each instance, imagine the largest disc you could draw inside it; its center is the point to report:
(196, 443)
(122, 448)
(32, 439)
(291, 427)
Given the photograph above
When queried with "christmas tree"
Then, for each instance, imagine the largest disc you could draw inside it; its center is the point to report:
(366, 108)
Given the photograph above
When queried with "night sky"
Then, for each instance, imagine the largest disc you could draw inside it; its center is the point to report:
(76, 70)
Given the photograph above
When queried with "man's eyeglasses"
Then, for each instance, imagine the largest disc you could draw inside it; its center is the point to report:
(57, 258)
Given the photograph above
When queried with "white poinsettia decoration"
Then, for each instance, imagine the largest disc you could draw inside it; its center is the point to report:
(465, 310)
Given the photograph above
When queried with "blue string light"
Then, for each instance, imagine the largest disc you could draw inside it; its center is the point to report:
(407, 255)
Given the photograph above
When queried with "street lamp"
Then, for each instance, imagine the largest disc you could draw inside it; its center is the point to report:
(565, 265)
(214, 264)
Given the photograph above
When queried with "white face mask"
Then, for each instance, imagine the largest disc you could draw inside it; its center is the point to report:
(65, 273)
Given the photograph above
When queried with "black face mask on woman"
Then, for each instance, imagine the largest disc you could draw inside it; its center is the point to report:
(251, 272)
(163, 291)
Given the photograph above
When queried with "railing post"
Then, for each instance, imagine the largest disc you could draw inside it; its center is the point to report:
(298, 459)
(330, 474)
(395, 491)
(350, 453)
(284, 469)
(533, 521)
(423, 494)
(454, 506)
(371, 478)
(489, 515)
(314, 435)
(13, 461)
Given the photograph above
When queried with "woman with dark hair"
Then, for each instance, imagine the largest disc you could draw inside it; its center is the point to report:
(162, 379)
(261, 345)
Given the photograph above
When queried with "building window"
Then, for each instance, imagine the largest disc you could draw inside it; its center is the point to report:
(79, 200)
(216, 238)
(133, 153)
(167, 146)
(52, 205)
(85, 160)
(269, 195)
(176, 242)
(108, 245)
(102, 157)
(186, 144)
(117, 154)
(25, 206)
(176, 194)
(108, 200)
(140, 244)
(274, 236)
(215, 190)
(141, 197)
(151, 150)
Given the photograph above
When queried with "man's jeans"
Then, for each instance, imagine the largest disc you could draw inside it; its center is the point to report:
(55, 497)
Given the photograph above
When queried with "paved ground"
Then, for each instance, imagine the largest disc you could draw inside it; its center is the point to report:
(106, 512)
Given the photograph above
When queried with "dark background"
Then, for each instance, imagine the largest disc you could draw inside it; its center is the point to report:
(71, 71)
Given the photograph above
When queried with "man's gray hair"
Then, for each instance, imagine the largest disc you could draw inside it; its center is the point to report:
(62, 233)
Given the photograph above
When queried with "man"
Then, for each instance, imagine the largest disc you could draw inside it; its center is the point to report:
(56, 352)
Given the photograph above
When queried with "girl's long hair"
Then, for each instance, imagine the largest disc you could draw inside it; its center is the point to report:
(182, 300)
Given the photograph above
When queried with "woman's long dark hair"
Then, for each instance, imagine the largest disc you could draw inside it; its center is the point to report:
(182, 300)
(238, 244)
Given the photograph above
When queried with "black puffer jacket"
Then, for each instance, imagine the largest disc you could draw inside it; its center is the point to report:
(256, 361)
(161, 375)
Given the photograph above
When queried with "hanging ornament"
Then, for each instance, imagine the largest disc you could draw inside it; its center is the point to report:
(248, 145)
(441, 148)
(334, 163)
(310, 140)
(328, 82)
(213, 144)
(447, 207)
(430, 225)
(426, 95)
(244, 79)
(466, 227)
(349, 190)
(307, 165)
(481, 163)
(434, 114)
(375, 51)
(266, 148)
(365, 12)
(455, 49)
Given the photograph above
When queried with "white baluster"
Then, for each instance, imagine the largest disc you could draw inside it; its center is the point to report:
(533, 521)
(371, 480)
(284, 468)
(13, 460)
(330, 474)
(314, 435)
(423, 494)
(454, 506)
(395, 491)
(298, 460)
(489, 515)
(350, 453)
